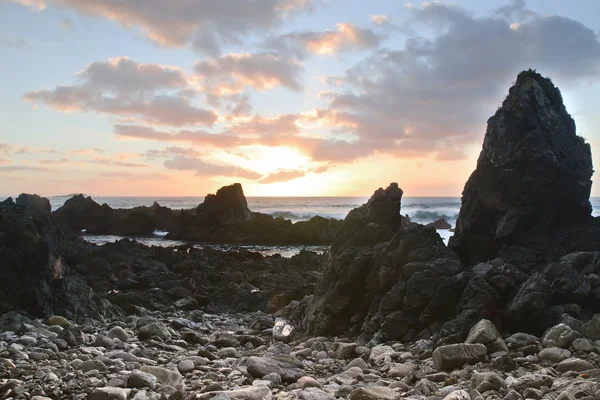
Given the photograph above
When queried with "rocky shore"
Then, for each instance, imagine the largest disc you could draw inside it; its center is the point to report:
(509, 310)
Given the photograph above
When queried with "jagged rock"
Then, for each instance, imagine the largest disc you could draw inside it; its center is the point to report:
(450, 357)
(80, 212)
(35, 276)
(528, 199)
(385, 279)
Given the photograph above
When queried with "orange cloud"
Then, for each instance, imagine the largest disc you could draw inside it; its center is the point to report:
(345, 37)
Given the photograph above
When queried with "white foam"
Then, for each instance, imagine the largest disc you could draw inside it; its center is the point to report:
(160, 233)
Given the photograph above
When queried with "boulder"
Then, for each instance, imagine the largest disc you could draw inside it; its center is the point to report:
(528, 199)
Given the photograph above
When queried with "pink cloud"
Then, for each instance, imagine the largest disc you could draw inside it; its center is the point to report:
(128, 89)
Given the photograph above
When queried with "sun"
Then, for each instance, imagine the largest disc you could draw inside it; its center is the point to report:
(268, 160)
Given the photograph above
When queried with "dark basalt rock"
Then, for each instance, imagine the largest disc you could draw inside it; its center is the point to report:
(80, 212)
(441, 223)
(528, 199)
(225, 218)
(35, 275)
(386, 278)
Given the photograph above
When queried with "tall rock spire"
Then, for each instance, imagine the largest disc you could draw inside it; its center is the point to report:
(528, 198)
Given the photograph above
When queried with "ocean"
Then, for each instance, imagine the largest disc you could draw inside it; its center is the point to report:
(420, 209)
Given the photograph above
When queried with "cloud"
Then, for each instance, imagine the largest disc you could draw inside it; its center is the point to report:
(126, 88)
(205, 169)
(110, 161)
(432, 96)
(35, 5)
(55, 162)
(282, 176)
(346, 37)
(83, 152)
(4, 161)
(17, 168)
(378, 19)
(170, 151)
(233, 73)
(205, 26)
(134, 176)
(196, 137)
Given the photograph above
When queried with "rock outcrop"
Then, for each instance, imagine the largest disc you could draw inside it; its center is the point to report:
(225, 218)
(222, 218)
(35, 276)
(528, 199)
(83, 213)
(386, 278)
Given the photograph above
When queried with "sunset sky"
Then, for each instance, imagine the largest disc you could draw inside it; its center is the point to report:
(288, 97)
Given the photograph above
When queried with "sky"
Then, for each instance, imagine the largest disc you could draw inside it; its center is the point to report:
(287, 97)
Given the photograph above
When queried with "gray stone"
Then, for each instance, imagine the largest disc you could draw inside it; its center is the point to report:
(582, 344)
(554, 354)
(186, 366)
(289, 368)
(154, 329)
(344, 351)
(358, 362)
(483, 332)
(560, 335)
(484, 381)
(109, 393)
(458, 395)
(313, 393)
(531, 381)
(591, 329)
(453, 356)
(373, 393)
(118, 333)
(574, 364)
(139, 379)
(166, 377)
(248, 393)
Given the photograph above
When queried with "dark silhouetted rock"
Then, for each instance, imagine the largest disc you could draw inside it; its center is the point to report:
(80, 212)
(35, 276)
(528, 199)
(386, 278)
